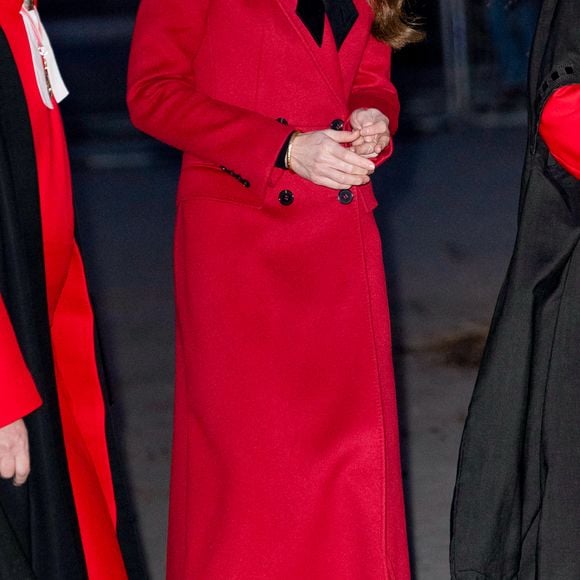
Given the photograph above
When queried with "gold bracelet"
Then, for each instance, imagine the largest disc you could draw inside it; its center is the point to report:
(289, 150)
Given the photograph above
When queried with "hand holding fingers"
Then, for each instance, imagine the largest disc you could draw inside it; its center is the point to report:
(321, 158)
(353, 138)
(344, 171)
(14, 454)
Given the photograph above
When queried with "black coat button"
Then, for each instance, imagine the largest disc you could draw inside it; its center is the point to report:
(345, 196)
(337, 125)
(286, 197)
(282, 121)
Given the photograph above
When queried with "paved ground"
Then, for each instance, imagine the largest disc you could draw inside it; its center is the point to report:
(448, 220)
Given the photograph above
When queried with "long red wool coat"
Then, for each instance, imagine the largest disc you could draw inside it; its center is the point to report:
(286, 453)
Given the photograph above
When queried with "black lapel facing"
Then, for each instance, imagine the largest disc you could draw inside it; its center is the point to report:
(311, 12)
(342, 15)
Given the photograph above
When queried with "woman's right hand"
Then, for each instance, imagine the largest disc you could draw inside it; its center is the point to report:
(321, 158)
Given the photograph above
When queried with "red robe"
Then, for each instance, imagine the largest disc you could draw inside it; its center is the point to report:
(560, 127)
(71, 323)
(286, 452)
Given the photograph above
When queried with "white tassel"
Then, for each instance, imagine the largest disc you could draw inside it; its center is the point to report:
(48, 77)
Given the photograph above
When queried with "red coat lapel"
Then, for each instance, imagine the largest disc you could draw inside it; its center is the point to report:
(327, 61)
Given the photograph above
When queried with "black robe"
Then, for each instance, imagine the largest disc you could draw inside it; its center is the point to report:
(516, 509)
(39, 532)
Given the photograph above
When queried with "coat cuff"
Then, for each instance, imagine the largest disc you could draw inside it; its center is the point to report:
(560, 127)
(281, 159)
(18, 393)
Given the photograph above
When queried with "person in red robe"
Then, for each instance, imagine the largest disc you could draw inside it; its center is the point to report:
(59, 507)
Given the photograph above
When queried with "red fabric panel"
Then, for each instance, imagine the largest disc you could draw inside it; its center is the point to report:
(18, 394)
(84, 426)
(560, 127)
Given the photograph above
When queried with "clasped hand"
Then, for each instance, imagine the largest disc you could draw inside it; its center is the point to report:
(14, 456)
(321, 156)
(374, 132)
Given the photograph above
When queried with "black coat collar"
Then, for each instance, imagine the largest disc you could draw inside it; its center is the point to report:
(342, 15)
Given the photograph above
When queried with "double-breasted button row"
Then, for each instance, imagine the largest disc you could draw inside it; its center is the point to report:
(235, 175)
(337, 125)
(286, 197)
(345, 196)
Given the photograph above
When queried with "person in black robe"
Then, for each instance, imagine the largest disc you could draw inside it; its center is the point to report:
(516, 508)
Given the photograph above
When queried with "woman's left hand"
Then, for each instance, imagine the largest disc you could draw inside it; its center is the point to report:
(374, 129)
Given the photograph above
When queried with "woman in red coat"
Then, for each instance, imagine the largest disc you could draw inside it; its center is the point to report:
(286, 452)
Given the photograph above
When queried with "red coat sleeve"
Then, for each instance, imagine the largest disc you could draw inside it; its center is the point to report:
(373, 88)
(18, 394)
(164, 101)
(560, 127)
